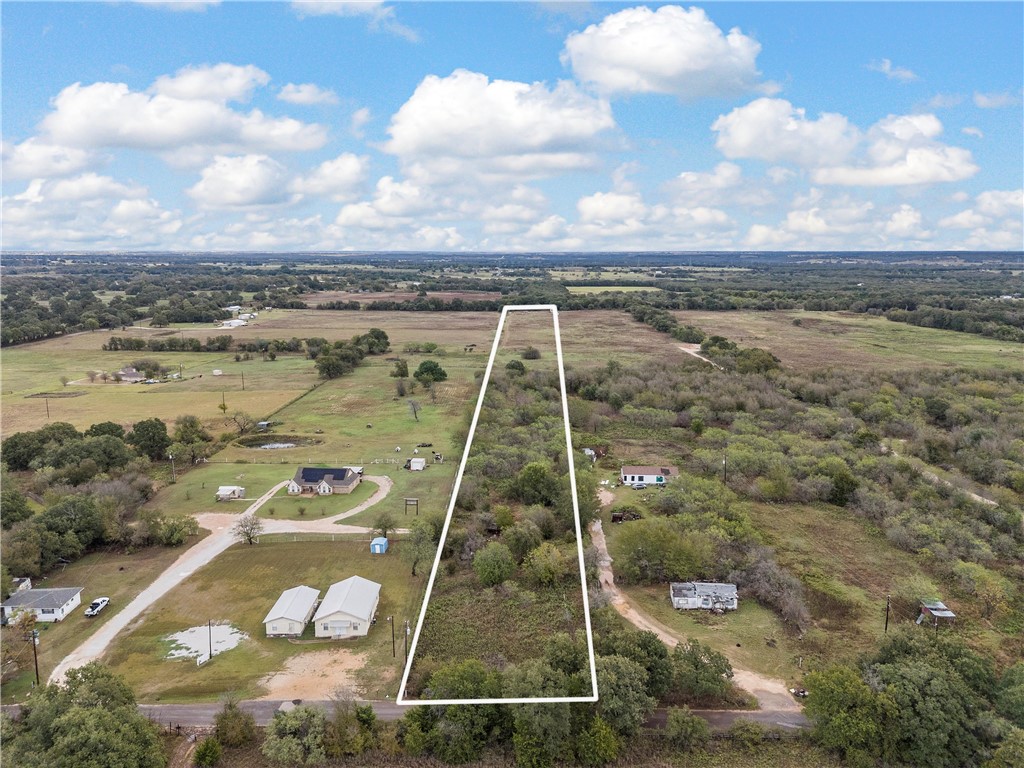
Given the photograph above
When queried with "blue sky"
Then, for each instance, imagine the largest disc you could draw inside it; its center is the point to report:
(512, 126)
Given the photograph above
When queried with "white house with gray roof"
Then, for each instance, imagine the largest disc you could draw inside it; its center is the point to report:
(292, 612)
(710, 595)
(47, 604)
(347, 608)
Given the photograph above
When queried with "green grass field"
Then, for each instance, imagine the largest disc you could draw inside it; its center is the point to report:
(239, 587)
(110, 573)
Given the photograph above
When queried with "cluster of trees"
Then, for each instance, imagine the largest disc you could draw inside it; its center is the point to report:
(76, 309)
(92, 486)
(921, 699)
(634, 672)
(820, 437)
(90, 719)
(342, 357)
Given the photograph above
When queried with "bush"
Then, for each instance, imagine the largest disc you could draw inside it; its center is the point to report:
(598, 745)
(531, 353)
(685, 730)
(747, 734)
(233, 727)
(207, 753)
(493, 564)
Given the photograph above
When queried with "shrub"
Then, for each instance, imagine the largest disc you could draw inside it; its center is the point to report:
(233, 727)
(531, 353)
(685, 730)
(598, 745)
(747, 734)
(493, 564)
(207, 753)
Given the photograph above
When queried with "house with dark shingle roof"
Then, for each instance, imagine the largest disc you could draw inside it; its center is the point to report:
(323, 481)
(47, 604)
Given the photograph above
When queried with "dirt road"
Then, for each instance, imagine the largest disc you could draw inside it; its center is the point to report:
(771, 694)
(694, 349)
(205, 551)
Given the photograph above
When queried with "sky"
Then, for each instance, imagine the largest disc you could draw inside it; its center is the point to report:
(470, 126)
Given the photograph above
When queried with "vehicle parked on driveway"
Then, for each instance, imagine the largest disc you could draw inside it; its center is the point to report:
(639, 486)
(96, 606)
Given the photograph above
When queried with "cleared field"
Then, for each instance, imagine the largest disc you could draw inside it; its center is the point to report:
(823, 339)
(365, 298)
(110, 573)
(239, 587)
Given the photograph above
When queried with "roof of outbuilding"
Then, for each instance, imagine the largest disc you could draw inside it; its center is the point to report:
(293, 604)
(638, 470)
(703, 589)
(41, 598)
(355, 596)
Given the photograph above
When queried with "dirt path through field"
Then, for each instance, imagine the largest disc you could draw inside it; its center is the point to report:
(694, 349)
(313, 676)
(220, 538)
(771, 694)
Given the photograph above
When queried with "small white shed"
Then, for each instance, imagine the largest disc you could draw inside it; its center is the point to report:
(228, 492)
(417, 465)
(292, 612)
(347, 609)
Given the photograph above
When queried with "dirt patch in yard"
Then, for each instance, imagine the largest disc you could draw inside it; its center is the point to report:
(314, 676)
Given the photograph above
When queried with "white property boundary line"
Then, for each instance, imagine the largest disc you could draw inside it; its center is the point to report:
(400, 699)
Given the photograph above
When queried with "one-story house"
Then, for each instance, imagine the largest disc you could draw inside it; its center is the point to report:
(130, 375)
(347, 609)
(711, 595)
(323, 482)
(379, 546)
(228, 492)
(292, 612)
(648, 475)
(47, 604)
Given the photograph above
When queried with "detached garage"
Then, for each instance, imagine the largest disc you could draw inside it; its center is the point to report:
(291, 612)
(347, 608)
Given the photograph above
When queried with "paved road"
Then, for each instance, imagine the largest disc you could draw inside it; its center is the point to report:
(202, 715)
(221, 537)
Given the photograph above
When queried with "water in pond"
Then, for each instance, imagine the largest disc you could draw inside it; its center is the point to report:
(195, 641)
(272, 446)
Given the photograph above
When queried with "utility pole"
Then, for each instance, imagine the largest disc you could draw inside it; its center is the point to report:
(391, 621)
(725, 469)
(47, 400)
(174, 475)
(887, 614)
(35, 653)
(243, 381)
(406, 641)
(209, 627)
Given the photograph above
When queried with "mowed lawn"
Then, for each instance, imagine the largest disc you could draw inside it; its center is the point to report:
(107, 573)
(239, 588)
(812, 340)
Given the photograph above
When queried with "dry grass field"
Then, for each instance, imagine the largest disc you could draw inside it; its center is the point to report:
(809, 340)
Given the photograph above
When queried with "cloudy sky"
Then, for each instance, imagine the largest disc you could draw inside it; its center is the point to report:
(505, 126)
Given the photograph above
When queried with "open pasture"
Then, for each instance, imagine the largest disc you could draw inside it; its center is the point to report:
(810, 340)
(239, 587)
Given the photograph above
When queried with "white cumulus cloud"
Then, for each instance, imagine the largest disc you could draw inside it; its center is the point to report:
(241, 182)
(995, 100)
(467, 126)
(339, 179)
(775, 130)
(307, 94)
(220, 82)
(34, 159)
(671, 50)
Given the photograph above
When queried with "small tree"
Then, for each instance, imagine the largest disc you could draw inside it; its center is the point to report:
(92, 376)
(208, 753)
(415, 407)
(430, 372)
(248, 528)
(493, 564)
(234, 727)
(384, 524)
(64, 381)
(531, 353)
(243, 421)
(401, 369)
(685, 730)
(598, 745)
